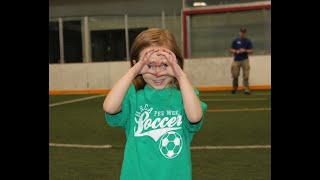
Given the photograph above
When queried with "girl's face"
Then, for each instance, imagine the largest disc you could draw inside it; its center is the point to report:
(157, 82)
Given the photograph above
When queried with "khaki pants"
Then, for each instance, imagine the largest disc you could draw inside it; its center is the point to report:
(235, 71)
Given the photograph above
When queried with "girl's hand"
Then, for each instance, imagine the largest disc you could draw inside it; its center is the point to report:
(171, 66)
(143, 65)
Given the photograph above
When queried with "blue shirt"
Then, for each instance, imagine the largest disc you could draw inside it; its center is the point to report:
(241, 43)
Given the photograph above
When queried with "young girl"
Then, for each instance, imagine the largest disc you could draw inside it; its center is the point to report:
(158, 108)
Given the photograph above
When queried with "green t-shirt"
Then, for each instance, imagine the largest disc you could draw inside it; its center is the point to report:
(158, 134)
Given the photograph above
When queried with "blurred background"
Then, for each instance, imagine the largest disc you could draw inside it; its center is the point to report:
(84, 32)
(89, 43)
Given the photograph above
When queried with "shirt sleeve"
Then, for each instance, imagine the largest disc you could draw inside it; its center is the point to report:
(121, 118)
(194, 127)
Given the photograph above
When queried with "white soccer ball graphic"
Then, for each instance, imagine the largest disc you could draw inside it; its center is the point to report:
(170, 144)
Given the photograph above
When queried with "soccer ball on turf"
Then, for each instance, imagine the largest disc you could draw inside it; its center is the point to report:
(170, 144)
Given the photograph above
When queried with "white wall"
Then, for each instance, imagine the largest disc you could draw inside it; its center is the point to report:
(217, 71)
(201, 72)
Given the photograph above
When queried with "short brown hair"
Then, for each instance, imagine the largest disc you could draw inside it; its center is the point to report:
(154, 37)
(243, 30)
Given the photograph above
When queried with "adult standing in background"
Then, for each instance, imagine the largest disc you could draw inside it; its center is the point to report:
(241, 47)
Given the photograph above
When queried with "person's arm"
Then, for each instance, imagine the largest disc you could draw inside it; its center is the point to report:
(243, 50)
(112, 103)
(249, 51)
(191, 102)
(249, 48)
(233, 49)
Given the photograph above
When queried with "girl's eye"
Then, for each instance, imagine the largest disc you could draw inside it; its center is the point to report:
(163, 66)
(150, 65)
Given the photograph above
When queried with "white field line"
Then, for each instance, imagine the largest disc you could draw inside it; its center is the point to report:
(101, 95)
(239, 110)
(232, 147)
(214, 95)
(75, 100)
(234, 99)
(108, 146)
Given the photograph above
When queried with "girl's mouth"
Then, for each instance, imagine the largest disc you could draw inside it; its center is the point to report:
(158, 82)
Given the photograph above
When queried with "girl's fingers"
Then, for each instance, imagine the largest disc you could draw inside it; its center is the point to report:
(163, 63)
(172, 55)
(149, 65)
(174, 68)
(144, 69)
(145, 53)
(168, 58)
(144, 61)
(160, 58)
(167, 72)
(149, 54)
(162, 73)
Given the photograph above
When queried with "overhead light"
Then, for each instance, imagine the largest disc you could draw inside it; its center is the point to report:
(198, 4)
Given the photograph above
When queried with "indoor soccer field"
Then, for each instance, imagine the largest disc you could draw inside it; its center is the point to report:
(233, 143)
